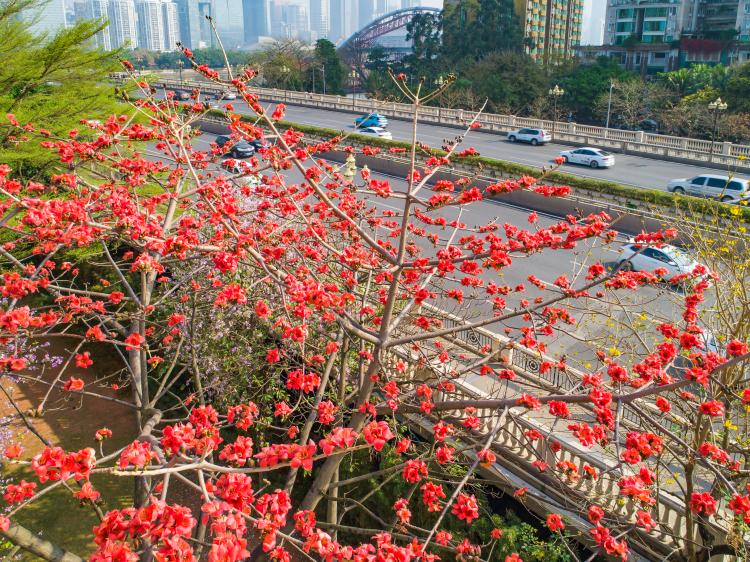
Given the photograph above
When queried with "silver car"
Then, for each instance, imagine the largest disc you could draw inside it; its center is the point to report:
(531, 136)
(636, 257)
(714, 186)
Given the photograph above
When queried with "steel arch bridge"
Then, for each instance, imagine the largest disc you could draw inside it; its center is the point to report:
(354, 50)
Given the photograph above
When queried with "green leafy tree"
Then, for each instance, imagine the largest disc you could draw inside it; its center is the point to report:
(474, 29)
(498, 28)
(510, 81)
(53, 80)
(737, 88)
(283, 64)
(633, 101)
(170, 59)
(686, 81)
(583, 83)
(424, 33)
(327, 59)
(459, 19)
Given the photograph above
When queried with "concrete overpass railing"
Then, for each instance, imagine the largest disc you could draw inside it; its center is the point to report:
(664, 147)
(516, 452)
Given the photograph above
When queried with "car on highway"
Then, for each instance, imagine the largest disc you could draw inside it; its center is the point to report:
(531, 136)
(225, 96)
(180, 95)
(714, 186)
(587, 156)
(640, 257)
(376, 132)
(371, 120)
(238, 149)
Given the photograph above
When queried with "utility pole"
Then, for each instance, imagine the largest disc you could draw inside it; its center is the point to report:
(609, 107)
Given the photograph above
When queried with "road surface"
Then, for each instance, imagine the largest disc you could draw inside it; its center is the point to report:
(629, 170)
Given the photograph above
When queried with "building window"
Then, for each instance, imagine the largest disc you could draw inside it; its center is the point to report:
(654, 26)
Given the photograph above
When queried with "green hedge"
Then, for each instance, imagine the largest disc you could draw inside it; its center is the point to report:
(658, 197)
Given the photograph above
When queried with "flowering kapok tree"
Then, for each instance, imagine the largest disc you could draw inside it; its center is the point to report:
(144, 241)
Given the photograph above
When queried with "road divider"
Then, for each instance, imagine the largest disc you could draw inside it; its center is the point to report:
(637, 208)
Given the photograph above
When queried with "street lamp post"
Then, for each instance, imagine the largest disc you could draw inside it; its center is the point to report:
(323, 70)
(609, 108)
(440, 81)
(180, 64)
(555, 92)
(285, 73)
(715, 106)
(353, 77)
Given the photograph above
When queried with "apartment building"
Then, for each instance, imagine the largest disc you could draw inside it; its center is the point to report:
(664, 21)
(552, 28)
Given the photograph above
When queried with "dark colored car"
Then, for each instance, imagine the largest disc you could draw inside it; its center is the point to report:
(239, 149)
(180, 95)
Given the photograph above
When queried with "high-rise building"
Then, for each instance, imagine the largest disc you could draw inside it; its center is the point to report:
(551, 28)
(366, 10)
(46, 18)
(344, 19)
(171, 25)
(743, 21)
(206, 9)
(296, 20)
(320, 24)
(724, 17)
(123, 28)
(150, 25)
(98, 10)
(665, 21)
(383, 7)
(650, 22)
(256, 19)
(190, 24)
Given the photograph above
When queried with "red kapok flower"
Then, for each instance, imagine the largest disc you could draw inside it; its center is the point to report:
(555, 522)
(466, 508)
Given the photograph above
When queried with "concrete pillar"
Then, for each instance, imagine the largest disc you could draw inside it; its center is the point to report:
(639, 136)
(726, 148)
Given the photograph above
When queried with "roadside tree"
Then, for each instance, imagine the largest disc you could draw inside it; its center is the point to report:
(352, 306)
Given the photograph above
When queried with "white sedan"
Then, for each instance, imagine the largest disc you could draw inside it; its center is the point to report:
(376, 132)
(636, 257)
(592, 157)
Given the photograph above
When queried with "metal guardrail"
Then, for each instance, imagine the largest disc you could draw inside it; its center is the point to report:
(720, 154)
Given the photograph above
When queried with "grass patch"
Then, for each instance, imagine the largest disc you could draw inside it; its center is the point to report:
(60, 518)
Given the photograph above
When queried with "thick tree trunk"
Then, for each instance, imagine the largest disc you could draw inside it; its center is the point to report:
(42, 548)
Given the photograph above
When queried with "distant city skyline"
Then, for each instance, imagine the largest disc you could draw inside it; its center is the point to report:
(306, 20)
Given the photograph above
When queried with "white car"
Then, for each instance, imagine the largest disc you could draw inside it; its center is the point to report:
(587, 156)
(226, 96)
(531, 136)
(376, 132)
(724, 188)
(636, 257)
